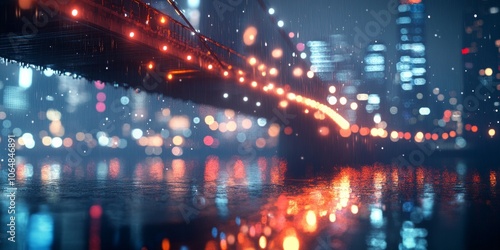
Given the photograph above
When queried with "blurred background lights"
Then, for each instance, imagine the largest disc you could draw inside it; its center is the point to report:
(25, 77)
(261, 122)
(124, 100)
(291, 243)
(277, 53)
(193, 3)
(491, 132)
(48, 72)
(249, 36)
(137, 133)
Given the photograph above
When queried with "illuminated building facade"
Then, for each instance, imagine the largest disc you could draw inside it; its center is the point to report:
(15, 94)
(413, 109)
(481, 55)
(373, 89)
(345, 76)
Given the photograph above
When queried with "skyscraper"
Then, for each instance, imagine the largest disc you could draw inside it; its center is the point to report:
(374, 85)
(413, 109)
(481, 54)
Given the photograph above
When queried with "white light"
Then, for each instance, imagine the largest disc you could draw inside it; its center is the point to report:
(103, 141)
(262, 122)
(377, 118)
(332, 89)
(343, 100)
(56, 142)
(362, 97)
(245, 99)
(194, 4)
(281, 23)
(493, 10)
(376, 217)
(225, 95)
(424, 111)
(303, 55)
(124, 100)
(332, 100)
(406, 86)
(28, 140)
(25, 77)
(136, 133)
(418, 47)
(257, 104)
(354, 106)
(48, 72)
(376, 47)
(373, 99)
(271, 11)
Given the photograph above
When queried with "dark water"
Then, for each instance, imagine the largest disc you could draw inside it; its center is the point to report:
(234, 204)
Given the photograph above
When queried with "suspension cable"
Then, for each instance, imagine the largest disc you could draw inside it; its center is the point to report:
(202, 40)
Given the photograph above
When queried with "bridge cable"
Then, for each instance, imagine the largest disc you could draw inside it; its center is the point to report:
(179, 12)
(285, 36)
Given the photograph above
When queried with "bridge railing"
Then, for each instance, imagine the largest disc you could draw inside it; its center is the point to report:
(167, 26)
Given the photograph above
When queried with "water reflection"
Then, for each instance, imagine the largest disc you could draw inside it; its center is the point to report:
(232, 203)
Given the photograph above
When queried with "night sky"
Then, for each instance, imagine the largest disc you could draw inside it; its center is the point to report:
(318, 19)
(443, 30)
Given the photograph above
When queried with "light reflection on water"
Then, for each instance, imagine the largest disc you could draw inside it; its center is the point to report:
(235, 204)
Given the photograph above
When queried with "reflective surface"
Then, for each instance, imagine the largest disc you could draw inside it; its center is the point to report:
(230, 203)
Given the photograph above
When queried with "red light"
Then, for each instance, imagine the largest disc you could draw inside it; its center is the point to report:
(164, 48)
(467, 127)
(428, 136)
(407, 136)
(447, 113)
(465, 51)
(473, 129)
(150, 66)
(131, 34)
(95, 211)
(163, 20)
(74, 12)
(189, 58)
(435, 137)
(208, 140)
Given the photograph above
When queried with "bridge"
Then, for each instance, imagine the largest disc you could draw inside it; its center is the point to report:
(134, 45)
(130, 44)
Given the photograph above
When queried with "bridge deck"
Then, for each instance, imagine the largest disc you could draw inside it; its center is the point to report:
(97, 40)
